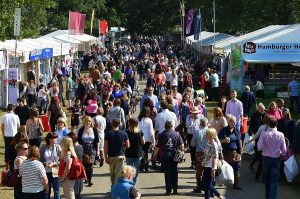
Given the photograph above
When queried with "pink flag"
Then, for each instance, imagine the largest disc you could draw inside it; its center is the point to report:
(103, 27)
(76, 23)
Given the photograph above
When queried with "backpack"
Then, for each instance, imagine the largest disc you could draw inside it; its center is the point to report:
(188, 79)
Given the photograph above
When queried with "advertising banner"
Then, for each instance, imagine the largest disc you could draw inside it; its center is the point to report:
(271, 52)
(189, 21)
(13, 92)
(103, 27)
(236, 68)
(76, 23)
(17, 22)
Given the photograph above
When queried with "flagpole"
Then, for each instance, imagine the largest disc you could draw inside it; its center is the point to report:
(180, 15)
(214, 18)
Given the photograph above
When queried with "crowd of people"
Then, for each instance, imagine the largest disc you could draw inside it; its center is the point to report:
(173, 117)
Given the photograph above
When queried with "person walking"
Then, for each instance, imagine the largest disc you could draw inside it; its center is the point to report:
(164, 116)
(100, 125)
(78, 187)
(248, 100)
(67, 155)
(134, 153)
(22, 152)
(192, 124)
(145, 125)
(199, 141)
(34, 128)
(23, 112)
(34, 177)
(234, 107)
(232, 148)
(50, 154)
(9, 126)
(273, 146)
(209, 163)
(115, 142)
(169, 141)
(89, 139)
(293, 89)
(214, 79)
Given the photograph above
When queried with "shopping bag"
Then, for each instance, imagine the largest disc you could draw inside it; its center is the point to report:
(248, 148)
(45, 122)
(291, 168)
(227, 174)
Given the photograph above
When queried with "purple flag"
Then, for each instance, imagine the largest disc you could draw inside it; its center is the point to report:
(189, 21)
(197, 26)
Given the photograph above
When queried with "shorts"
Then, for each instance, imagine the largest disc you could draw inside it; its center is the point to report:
(75, 120)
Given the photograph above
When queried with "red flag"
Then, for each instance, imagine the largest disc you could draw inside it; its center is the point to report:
(76, 23)
(103, 27)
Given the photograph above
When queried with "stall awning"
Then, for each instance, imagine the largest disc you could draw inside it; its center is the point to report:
(292, 58)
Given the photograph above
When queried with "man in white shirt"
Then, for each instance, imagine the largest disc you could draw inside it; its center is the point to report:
(10, 125)
(193, 124)
(165, 116)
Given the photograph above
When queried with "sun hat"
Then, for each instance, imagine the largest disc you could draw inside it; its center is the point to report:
(195, 110)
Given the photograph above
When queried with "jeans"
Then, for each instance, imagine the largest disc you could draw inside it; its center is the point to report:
(8, 148)
(55, 182)
(171, 175)
(238, 127)
(208, 183)
(292, 99)
(271, 170)
(135, 162)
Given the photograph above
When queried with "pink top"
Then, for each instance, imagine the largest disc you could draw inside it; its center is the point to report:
(235, 108)
(277, 114)
(272, 143)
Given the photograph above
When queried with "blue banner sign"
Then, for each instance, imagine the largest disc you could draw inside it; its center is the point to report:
(41, 54)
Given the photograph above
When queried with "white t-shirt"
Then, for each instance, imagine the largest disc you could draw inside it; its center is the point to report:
(11, 122)
(101, 125)
(146, 126)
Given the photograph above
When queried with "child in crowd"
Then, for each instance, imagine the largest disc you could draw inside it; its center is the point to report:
(76, 109)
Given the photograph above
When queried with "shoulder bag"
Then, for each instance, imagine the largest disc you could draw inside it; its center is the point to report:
(76, 172)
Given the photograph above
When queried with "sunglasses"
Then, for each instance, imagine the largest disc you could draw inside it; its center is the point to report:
(25, 148)
(60, 122)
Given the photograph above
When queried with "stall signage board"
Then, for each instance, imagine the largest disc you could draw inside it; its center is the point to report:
(17, 22)
(35, 54)
(271, 48)
(47, 53)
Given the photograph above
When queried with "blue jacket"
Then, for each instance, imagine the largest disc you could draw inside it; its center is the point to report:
(121, 189)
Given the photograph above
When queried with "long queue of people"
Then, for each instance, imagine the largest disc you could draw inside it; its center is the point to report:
(172, 117)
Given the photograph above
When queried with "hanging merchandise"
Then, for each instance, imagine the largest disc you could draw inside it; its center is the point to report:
(236, 68)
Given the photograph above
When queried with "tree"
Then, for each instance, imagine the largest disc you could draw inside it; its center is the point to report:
(33, 17)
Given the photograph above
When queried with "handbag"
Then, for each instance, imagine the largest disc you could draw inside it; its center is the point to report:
(4, 173)
(76, 172)
(179, 156)
(13, 178)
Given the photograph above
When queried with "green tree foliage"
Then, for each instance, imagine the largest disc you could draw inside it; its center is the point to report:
(145, 16)
(33, 17)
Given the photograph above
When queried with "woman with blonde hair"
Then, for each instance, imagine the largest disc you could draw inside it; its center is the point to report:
(61, 129)
(125, 187)
(88, 137)
(67, 154)
(218, 121)
(211, 155)
(274, 111)
(34, 128)
(134, 153)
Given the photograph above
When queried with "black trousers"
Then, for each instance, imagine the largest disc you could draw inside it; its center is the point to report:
(8, 148)
(192, 149)
(171, 175)
(144, 163)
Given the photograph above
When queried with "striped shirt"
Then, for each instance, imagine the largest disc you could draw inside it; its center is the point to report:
(32, 172)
